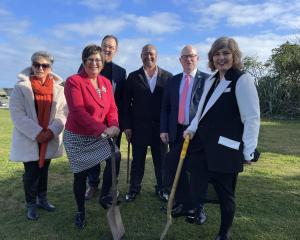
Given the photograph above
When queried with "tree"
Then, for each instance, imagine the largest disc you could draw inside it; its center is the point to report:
(286, 68)
(255, 68)
(278, 81)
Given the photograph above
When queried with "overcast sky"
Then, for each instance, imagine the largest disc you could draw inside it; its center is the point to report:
(64, 27)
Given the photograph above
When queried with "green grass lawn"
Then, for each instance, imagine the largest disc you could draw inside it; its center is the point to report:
(268, 197)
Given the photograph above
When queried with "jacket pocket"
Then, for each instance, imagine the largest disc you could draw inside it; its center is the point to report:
(227, 90)
(229, 143)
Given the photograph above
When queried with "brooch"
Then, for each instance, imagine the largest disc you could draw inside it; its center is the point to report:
(103, 89)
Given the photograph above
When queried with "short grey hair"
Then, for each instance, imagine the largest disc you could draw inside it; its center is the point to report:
(49, 57)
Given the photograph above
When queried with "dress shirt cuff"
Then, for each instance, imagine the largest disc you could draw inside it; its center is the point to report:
(248, 156)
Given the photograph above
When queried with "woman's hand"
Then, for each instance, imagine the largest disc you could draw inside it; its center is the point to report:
(189, 134)
(41, 137)
(112, 131)
(44, 136)
(49, 134)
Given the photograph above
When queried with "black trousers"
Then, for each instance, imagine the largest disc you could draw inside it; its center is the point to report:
(94, 173)
(35, 181)
(224, 185)
(79, 184)
(139, 152)
(169, 170)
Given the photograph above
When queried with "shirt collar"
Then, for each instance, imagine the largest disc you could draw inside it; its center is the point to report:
(154, 75)
(192, 74)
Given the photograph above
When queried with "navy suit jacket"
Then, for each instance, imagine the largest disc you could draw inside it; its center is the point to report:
(170, 104)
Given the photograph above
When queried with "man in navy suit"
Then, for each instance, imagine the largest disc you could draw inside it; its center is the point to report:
(172, 126)
(117, 77)
(142, 103)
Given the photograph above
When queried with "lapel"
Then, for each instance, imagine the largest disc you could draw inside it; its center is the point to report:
(91, 89)
(113, 73)
(197, 82)
(176, 85)
(159, 82)
(216, 94)
(28, 93)
(142, 77)
(114, 79)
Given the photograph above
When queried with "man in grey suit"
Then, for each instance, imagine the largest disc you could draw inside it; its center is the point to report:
(182, 94)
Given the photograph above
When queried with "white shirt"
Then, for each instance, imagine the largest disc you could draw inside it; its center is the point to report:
(151, 80)
(248, 104)
(189, 94)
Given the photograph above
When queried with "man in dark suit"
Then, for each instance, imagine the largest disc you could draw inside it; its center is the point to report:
(180, 102)
(117, 77)
(142, 103)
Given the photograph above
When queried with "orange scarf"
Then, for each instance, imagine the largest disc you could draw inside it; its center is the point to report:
(43, 95)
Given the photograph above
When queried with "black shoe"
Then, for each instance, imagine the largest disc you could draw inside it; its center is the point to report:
(164, 196)
(106, 201)
(44, 204)
(198, 217)
(178, 210)
(130, 196)
(32, 213)
(222, 237)
(80, 220)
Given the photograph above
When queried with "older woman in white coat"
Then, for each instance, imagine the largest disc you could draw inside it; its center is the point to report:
(38, 111)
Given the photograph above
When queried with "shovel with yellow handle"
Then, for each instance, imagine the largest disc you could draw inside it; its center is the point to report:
(174, 187)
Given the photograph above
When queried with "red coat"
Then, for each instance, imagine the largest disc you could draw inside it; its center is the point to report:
(88, 113)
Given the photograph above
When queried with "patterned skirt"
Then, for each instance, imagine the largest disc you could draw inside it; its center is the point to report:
(85, 152)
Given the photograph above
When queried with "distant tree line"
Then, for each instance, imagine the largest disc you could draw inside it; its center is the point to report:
(278, 81)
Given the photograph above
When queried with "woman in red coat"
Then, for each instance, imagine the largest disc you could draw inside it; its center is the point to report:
(92, 112)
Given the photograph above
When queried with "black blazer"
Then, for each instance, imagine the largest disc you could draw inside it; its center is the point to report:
(170, 105)
(142, 108)
(118, 79)
(220, 129)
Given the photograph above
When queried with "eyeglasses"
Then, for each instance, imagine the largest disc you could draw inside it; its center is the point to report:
(185, 57)
(96, 60)
(39, 65)
(110, 47)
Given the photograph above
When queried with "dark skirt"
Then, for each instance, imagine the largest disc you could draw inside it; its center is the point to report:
(85, 152)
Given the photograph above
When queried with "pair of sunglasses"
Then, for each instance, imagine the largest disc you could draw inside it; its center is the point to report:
(43, 65)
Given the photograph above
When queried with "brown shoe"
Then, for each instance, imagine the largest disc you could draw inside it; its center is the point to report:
(90, 192)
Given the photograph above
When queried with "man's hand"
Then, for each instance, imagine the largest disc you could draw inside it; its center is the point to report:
(164, 138)
(128, 133)
(112, 131)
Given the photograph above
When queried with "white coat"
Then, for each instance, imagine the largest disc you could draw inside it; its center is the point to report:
(23, 114)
